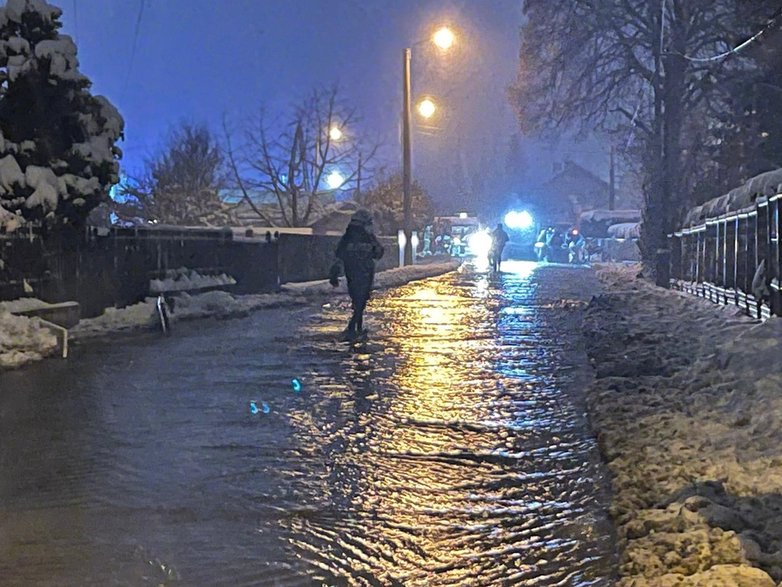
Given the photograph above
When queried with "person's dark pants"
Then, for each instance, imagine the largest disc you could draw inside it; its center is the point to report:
(495, 258)
(359, 289)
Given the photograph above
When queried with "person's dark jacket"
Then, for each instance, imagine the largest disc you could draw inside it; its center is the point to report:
(358, 249)
(499, 239)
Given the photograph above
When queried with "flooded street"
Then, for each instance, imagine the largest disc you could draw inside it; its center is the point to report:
(449, 449)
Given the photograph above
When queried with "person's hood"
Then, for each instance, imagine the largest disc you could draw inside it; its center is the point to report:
(362, 216)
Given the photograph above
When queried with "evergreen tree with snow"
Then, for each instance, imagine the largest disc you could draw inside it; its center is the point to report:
(58, 157)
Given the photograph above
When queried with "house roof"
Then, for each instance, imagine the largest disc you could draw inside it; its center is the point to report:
(573, 170)
(258, 197)
(269, 205)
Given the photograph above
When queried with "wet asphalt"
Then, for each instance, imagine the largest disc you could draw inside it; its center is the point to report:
(449, 448)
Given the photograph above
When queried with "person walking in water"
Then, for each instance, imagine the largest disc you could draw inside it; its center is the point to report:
(499, 238)
(357, 252)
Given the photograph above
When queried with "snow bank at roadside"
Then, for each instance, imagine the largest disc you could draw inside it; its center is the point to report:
(144, 315)
(383, 280)
(23, 340)
(23, 305)
(221, 304)
(184, 279)
(687, 406)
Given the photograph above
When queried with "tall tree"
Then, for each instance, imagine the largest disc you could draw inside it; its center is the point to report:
(181, 185)
(635, 66)
(317, 152)
(58, 156)
(384, 200)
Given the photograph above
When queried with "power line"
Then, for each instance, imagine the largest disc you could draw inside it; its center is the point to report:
(135, 43)
(769, 24)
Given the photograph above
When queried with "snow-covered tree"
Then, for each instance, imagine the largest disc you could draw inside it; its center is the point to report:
(182, 184)
(58, 156)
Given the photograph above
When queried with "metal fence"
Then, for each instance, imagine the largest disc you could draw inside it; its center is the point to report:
(718, 258)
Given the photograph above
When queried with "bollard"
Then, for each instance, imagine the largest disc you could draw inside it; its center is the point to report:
(663, 268)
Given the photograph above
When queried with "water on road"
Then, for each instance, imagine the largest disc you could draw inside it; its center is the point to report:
(449, 449)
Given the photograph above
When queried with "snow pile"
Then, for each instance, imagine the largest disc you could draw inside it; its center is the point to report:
(22, 305)
(186, 279)
(144, 316)
(603, 215)
(23, 340)
(138, 316)
(383, 280)
(687, 407)
(625, 230)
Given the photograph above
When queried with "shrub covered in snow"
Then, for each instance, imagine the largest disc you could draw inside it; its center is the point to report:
(23, 340)
(58, 156)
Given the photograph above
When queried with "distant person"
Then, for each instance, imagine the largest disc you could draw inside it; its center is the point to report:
(357, 251)
(575, 245)
(554, 245)
(499, 238)
(541, 243)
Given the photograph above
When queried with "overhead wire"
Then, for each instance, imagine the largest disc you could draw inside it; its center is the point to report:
(134, 46)
(769, 24)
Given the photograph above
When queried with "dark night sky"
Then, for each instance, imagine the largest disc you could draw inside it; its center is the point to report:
(198, 59)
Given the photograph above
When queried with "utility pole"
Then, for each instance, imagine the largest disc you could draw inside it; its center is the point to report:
(407, 157)
(357, 197)
(611, 183)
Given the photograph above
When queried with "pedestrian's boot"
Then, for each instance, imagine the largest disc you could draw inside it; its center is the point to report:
(349, 334)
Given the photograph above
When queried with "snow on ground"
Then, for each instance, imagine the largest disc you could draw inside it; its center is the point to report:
(144, 315)
(221, 304)
(23, 340)
(687, 407)
(186, 279)
(23, 305)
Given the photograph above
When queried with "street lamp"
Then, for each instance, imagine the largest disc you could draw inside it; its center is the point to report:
(335, 180)
(427, 108)
(335, 134)
(444, 39)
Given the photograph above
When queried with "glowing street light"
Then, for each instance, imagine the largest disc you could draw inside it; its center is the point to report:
(336, 134)
(335, 180)
(427, 108)
(444, 38)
